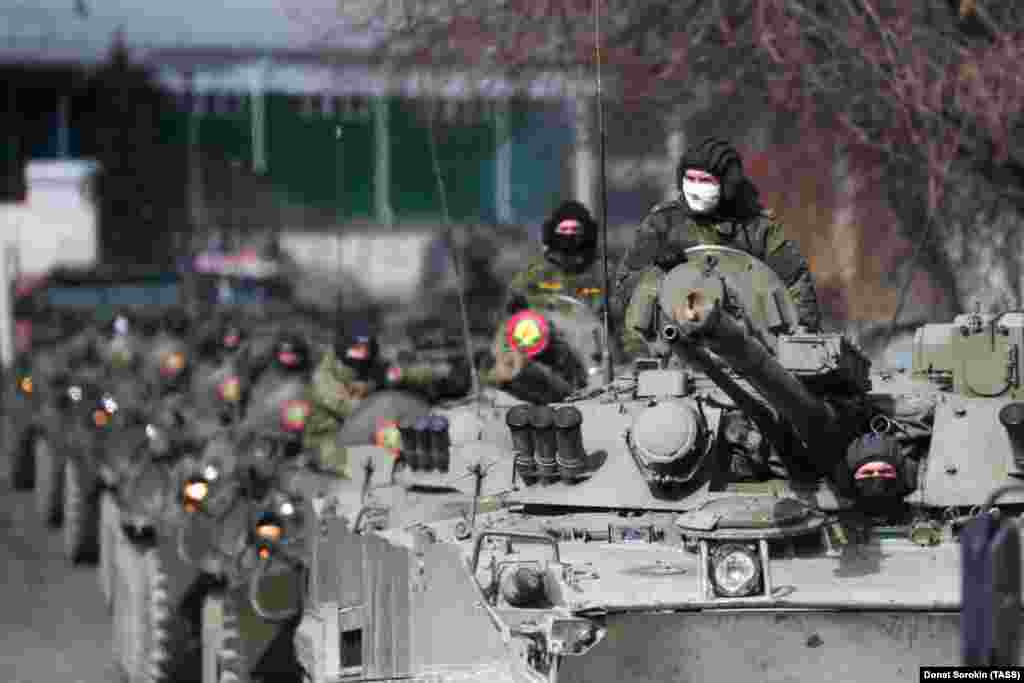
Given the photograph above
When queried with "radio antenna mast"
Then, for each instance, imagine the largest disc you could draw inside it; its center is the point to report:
(453, 252)
(609, 369)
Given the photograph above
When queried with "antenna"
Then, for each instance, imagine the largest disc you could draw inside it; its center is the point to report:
(609, 368)
(456, 264)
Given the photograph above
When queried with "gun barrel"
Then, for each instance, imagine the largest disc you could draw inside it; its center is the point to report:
(812, 420)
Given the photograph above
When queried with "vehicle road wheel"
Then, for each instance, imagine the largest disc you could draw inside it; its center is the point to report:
(129, 610)
(49, 479)
(110, 529)
(81, 513)
(153, 640)
(23, 471)
(170, 654)
(222, 638)
(118, 592)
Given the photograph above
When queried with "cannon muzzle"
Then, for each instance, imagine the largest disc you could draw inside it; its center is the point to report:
(700, 324)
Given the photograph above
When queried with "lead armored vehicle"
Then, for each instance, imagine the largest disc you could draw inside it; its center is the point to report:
(753, 505)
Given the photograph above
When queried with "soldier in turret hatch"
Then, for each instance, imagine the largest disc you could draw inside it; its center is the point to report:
(566, 268)
(717, 205)
(347, 374)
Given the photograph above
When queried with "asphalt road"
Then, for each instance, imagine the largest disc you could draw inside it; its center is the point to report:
(54, 627)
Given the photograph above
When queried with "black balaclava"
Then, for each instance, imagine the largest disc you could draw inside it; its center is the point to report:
(357, 347)
(230, 337)
(291, 353)
(739, 198)
(570, 235)
(177, 323)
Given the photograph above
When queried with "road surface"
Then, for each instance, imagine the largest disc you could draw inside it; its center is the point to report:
(54, 624)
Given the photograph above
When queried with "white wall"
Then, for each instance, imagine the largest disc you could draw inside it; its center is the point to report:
(57, 223)
(384, 265)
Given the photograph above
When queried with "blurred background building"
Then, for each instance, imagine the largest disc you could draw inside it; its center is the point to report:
(243, 137)
(256, 144)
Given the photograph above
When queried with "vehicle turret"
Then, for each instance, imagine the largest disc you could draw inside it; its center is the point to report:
(704, 320)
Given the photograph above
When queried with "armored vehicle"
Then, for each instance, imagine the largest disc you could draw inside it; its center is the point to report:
(114, 403)
(216, 443)
(71, 296)
(751, 503)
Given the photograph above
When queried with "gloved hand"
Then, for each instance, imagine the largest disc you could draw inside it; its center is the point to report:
(670, 256)
(516, 303)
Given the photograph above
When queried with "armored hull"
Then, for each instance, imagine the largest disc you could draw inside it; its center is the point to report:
(862, 615)
(752, 504)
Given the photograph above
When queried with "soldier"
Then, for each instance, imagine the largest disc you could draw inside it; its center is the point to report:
(223, 340)
(718, 205)
(565, 268)
(347, 374)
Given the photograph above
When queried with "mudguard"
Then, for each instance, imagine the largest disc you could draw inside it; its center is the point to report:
(376, 412)
(991, 591)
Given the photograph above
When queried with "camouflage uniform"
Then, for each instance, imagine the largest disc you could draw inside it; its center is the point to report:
(672, 227)
(338, 389)
(433, 380)
(538, 286)
(542, 279)
(332, 401)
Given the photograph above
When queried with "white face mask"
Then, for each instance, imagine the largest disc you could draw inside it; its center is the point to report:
(701, 197)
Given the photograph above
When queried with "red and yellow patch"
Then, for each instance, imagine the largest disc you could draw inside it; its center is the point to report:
(394, 374)
(294, 415)
(172, 364)
(230, 390)
(528, 332)
(358, 352)
(387, 435)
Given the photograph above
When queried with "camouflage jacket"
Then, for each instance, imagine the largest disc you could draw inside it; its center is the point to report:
(433, 380)
(541, 282)
(540, 285)
(332, 402)
(672, 224)
(329, 398)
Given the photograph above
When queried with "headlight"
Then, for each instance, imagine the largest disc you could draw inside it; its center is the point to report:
(573, 636)
(735, 571)
(287, 508)
(75, 393)
(196, 491)
(210, 473)
(268, 530)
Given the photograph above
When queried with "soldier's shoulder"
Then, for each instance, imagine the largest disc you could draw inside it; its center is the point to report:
(664, 215)
(666, 206)
(526, 274)
(538, 268)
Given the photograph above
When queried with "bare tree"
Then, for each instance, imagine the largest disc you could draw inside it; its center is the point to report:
(929, 100)
(926, 94)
